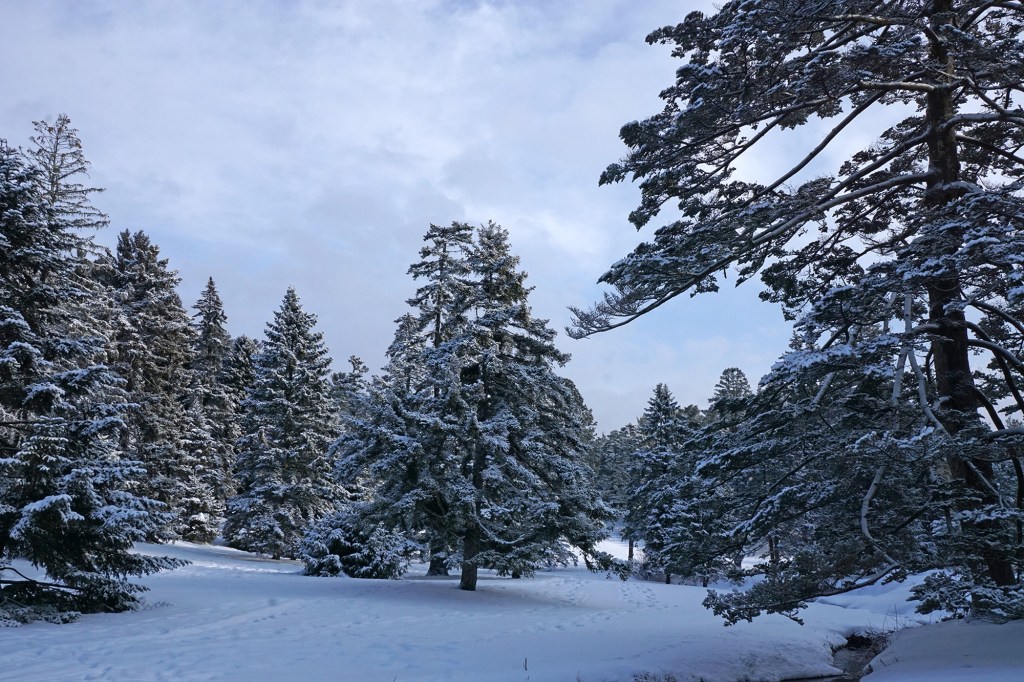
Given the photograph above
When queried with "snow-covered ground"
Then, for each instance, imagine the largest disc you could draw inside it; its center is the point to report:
(234, 616)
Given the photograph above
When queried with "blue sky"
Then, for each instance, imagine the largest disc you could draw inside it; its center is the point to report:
(310, 144)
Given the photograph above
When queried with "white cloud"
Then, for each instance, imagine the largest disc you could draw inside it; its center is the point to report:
(272, 144)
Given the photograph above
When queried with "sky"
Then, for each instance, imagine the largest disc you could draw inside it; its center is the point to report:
(311, 144)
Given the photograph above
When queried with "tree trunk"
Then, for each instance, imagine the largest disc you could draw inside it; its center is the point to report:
(954, 382)
(438, 560)
(630, 555)
(471, 540)
(470, 548)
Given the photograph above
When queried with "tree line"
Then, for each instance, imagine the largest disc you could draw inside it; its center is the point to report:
(124, 417)
(885, 442)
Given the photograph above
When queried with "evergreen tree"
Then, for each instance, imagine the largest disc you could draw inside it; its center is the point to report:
(654, 469)
(210, 399)
(347, 388)
(152, 346)
(900, 260)
(422, 400)
(609, 458)
(57, 154)
(731, 392)
(470, 444)
(526, 496)
(240, 371)
(282, 472)
(66, 504)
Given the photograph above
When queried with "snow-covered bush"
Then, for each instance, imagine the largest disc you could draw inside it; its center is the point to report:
(337, 545)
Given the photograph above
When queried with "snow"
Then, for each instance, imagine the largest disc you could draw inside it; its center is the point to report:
(956, 651)
(233, 615)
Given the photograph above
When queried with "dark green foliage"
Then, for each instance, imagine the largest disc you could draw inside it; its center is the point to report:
(152, 349)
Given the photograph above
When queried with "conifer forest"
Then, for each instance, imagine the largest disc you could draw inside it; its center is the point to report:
(884, 445)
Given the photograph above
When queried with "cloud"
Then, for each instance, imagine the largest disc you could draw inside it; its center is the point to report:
(310, 144)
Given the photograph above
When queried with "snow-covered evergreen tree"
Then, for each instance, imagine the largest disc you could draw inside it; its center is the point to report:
(66, 500)
(609, 459)
(152, 347)
(470, 444)
(730, 394)
(900, 259)
(654, 470)
(57, 154)
(525, 496)
(401, 436)
(347, 388)
(283, 473)
(212, 419)
(410, 435)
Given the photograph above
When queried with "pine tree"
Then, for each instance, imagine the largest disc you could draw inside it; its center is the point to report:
(152, 348)
(347, 388)
(527, 497)
(433, 413)
(470, 444)
(609, 459)
(654, 469)
(57, 154)
(731, 391)
(240, 370)
(66, 504)
(899, 260)
(282, 472)
(212, 416)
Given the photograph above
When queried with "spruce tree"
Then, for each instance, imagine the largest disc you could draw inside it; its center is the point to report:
(654, 470)
(472, 446)
(283, 474)
(66, 500)
(526, 496)
(152, 347)
(897, 260)
(212, 416)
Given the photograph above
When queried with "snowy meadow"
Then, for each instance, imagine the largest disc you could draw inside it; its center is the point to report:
(232, 615)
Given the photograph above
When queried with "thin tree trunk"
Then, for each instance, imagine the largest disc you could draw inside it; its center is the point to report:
(471, 539)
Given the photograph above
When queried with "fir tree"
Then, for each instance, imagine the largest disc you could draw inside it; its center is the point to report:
(609, 458)
(212, 416)
(282, 472)
(470, 444)
(66, 504)
(654, 469)
(731, 391)
(152, 348)
(57, 154)
(530, 491)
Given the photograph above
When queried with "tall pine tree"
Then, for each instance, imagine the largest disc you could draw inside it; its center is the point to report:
(283, 473)
(212, 417)
(899, 257)
(152, 348)
(66, 499)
